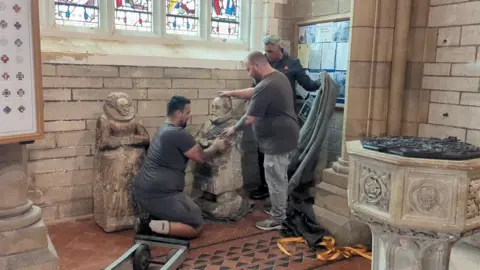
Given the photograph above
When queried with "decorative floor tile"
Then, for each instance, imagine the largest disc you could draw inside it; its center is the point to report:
(221, 247)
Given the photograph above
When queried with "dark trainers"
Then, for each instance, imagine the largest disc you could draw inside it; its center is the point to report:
(142, 226)
(269, 225)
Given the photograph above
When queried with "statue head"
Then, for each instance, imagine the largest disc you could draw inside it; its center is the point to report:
(221, 109)
(118, 106)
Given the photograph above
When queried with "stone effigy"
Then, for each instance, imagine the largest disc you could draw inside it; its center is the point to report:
(222, 177)
(120, 145)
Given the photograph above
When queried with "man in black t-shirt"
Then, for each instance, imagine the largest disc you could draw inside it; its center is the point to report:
(158, 187)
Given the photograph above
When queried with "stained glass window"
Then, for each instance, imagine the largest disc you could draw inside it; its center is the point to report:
(133, 15)
(225, 19)
(83, 13)
(182, 17)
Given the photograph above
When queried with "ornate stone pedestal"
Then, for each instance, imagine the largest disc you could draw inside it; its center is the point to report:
(416, 208)
(24, 240)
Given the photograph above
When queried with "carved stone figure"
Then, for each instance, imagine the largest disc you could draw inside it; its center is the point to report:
(222, 177)
(473, 200)
(120, 146)
(375, 187)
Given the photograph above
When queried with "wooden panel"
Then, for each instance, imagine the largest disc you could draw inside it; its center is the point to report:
(21, 98)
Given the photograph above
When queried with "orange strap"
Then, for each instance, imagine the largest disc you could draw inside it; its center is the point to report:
(331, 253)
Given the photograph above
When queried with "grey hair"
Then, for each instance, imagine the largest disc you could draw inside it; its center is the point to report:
(271, 40)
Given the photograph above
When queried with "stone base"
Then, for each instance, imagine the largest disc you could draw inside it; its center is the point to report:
(114, 224)
(464, 257)
(227, 205)
(44, 258)
(345, 230)
(333, 213)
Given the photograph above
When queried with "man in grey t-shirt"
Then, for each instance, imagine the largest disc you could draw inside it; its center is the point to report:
(158, 187)
(271, 112)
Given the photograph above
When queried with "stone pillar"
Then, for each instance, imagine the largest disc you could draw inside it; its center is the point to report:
(24, 239)
(365, 114)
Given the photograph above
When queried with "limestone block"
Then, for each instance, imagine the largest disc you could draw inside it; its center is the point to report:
(449, 36)
(473, 137)
(152, 121)
(453, 115)
(65, 194)
(199, 119)
(63, 179)
(230, 74)
(469, 70)
(451, 83)
(332, 198)
(72, 82)
(58, 165)
(47, 142)
(465, 14)
(57, 94)
(76, 208)
(456, 54)
(198, 83)
(141, 72)
(199, 73)
(54, 126)
(436, 69)
(428, 130)
(101, 94)
(472, 99)
(324, 7)
(49, 70)
(199, 107)
(238, 84)
(152, 83)
(23, 240)
(345, 230)
(419, 17)
(59, 153)
(71, 110)
(470, 35)
(87, 71)
(168, 93)
(445, 97)
(40, 259)
(75, 138)
(464, 256)
(344, 6)
(152, 108)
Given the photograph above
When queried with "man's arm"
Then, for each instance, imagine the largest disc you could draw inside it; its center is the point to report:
(189, 147)
(302, 78)
(246, 93)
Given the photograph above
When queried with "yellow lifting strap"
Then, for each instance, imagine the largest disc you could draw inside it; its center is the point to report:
(332, 253)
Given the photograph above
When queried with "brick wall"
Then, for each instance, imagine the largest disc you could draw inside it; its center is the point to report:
(453, 74)
(60, 165)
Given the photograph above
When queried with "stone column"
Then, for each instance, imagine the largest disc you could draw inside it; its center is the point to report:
(365, 113)
(24, 239)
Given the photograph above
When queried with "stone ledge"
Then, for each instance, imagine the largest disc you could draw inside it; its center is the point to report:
(22, 240)
(334, 178)
(41, 259)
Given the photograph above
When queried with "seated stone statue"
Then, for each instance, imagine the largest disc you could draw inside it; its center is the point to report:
(222, 176)
(120, 146)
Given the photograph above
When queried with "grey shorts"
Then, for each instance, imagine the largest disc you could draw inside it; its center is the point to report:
(175, 208)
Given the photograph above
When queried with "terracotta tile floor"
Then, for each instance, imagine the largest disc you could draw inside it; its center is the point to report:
(81, 245)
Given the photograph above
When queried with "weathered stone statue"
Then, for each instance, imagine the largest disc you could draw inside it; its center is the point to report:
(222, 177)
(120, 146)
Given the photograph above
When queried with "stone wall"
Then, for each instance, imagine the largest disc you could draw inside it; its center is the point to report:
(60, 165)
(453, 74)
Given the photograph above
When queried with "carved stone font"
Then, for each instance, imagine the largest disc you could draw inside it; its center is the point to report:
(120, 149)
(222, 177)
(416, 208)
(375, 187)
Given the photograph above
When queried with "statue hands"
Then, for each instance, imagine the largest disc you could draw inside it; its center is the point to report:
(220, 144)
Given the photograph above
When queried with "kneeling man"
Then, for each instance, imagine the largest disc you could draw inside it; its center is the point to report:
(159, 186)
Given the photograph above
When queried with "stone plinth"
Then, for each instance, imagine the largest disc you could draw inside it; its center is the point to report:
(332, 211)
(416, 208)
(24, 240)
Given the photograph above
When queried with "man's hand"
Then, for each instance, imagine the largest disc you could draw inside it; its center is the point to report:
(224, 93)
(228, 132)
(219, 144)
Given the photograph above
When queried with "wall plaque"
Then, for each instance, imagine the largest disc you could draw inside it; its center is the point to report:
(21, 98)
